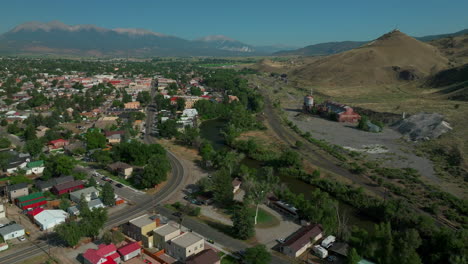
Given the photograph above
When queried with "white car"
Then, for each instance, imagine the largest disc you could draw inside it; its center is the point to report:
(21, 238)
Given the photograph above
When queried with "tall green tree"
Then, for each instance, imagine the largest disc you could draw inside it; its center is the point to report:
(4, 143)
(353, 257)
(222, 188)
(58, 165)
(64, 203)
(33, 147)
(243, 223)
(155, 171)
(108, 195)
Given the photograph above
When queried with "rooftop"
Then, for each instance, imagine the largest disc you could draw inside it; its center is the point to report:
(142, 221)
(165, 230)
(303, 236)
(10, 228)
(187, 239)
(84, 191)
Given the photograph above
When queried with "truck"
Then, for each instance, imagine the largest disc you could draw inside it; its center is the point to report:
(328, 241)
(320, 252)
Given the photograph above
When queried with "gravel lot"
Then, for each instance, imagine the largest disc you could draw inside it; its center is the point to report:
(385, 147)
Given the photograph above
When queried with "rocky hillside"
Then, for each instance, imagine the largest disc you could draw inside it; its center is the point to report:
(454, 48)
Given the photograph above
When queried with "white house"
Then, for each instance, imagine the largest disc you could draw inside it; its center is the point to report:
(96, 203)
(48, 219)
(89, 193)
(190, 112)
(35, 167)
(11, 231)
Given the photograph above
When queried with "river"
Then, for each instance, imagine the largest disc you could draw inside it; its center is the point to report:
(211, 130)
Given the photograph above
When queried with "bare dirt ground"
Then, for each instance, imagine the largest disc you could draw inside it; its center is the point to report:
(385, 147)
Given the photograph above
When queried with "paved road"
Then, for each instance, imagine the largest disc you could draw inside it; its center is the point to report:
(209, 232)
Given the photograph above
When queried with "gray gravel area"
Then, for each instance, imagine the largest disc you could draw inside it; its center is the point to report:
(386, 147)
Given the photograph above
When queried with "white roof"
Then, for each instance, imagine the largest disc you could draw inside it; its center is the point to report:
(50, 216)
(191, 112)
(85, 191)
(187, 239)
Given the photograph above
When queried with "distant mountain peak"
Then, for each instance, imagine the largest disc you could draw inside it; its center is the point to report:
(138, 31)
(53, 25)
(216, 38)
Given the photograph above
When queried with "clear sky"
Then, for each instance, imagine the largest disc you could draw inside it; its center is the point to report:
(257, 22)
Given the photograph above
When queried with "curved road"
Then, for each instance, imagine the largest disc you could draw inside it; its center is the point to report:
(42, 246)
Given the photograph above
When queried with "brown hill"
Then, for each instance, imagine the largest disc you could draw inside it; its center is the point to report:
(454, 48)
(391, 58)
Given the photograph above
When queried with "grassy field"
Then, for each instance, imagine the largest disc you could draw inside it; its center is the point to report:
(265, 219)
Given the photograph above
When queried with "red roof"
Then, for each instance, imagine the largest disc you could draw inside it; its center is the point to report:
(173, 99)
(53, 142)
(127, 249)
(35, 211)
(103, 252)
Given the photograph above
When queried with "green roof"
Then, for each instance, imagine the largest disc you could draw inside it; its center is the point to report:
(31, 196)
(34, 164)
(32, 202)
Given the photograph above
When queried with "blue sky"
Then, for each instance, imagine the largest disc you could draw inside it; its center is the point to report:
(257, 22)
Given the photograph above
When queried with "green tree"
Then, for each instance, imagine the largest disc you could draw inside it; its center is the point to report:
(83, 207)
(95, 140)
(168, 129)
(353, 257)
(92, 182)
(180, 104)
(222, 188)
(195, 91)
(155, 172)
(258, 186)
(4, 143)
(108, 195)
(64, 203)
(243, 223)
(70, 232)
(114, 236)
(33, 147)
(257, 255)
(58, 165)
(4, 123)
(144, 98)
(190, 136)
(363, 123)
(207, 153)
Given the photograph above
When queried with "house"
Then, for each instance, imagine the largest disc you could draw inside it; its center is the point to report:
(67, 187)
(344, 113)
(32, 213)
(132, 105)
(11, 231)
(191, 113)
(96, 203)
(48, 219)
(114, 139)
(57, 144)
(73, 147)
(184, 246)
(17, 161)
(17, 190)
(207, 256)
(2, 211)
(163, 234)
(35, 167)
(103, 254)
(30, 201)
(236, 183)
(73, 210)
(121, 168)
(41, 130)
(301, 240)
(141, 229)
(89, 194)
(129, 251)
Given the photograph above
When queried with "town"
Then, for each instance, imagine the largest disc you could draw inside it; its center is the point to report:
(128, 146)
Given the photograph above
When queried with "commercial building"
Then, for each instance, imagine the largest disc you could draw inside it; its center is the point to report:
(48, 219)
(300, 241)
(344, 113)
(89, 194)
(11, 231)
(184, 246)
(163, 234)
(141, 229)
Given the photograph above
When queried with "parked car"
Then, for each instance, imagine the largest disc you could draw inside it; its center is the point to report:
(147, 261)
(104, 178)
(177, 214)
(331, 258)
(210, 241)
(21, 238)
(186, 198)
(119, 185)
(280, 240)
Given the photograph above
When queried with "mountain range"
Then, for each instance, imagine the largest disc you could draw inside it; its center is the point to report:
(88, 40)
(329, 48)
